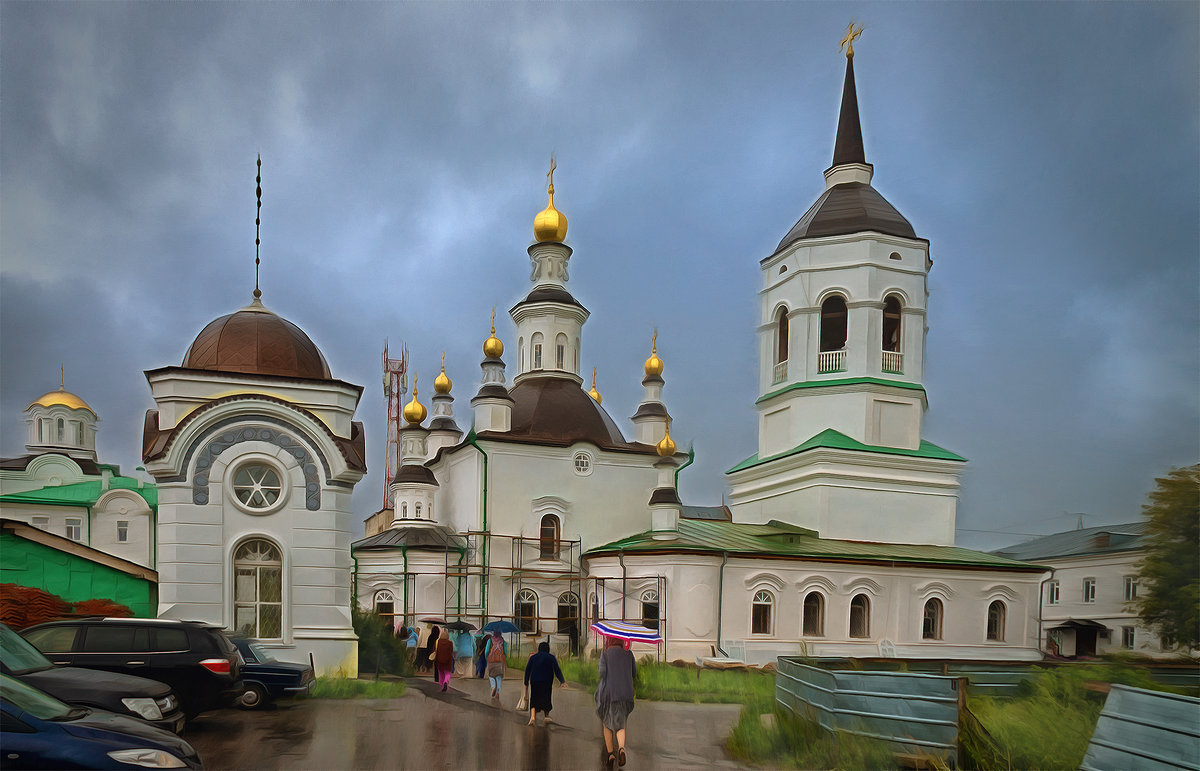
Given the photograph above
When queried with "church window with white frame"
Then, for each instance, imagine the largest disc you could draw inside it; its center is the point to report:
(1052, 593)
(996, 615)
(781, 336)
(814, 614)
(860, 616)
(536, 347)
(74, 528)
(560, 351)
(258, 590)
(761, 616)
(650, 609)
(1131, 587)
(1089, 590)
(122, 531)
(583, 463)
(568, 613)
(548, 537)
(833, 323)
(257, 487)
(931, 620)
(527, 611)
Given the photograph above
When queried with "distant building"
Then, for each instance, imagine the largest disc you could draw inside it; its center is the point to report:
(59, 486)
(1086, 603)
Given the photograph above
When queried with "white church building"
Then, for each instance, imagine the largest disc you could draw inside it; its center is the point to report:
(838, 539)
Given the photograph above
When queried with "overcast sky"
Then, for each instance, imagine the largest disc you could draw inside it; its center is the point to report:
(1049, 152)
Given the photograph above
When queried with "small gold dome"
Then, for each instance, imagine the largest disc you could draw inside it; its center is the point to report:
(62, 397)
(414, 411)
(594, 393)
(493, 348)
(666, 447)
(550, 224)
(441, 383)
(654, 365)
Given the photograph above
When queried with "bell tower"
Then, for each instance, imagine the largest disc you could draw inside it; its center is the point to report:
(841, 341)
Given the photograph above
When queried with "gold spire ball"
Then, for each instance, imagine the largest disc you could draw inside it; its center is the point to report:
(414, 411)
(550, 224)
(654, 365)
(666, 447)
(492, 347)
(594, 393)
(441, 383)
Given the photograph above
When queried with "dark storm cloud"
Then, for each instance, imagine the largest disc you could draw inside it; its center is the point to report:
(1049, 152)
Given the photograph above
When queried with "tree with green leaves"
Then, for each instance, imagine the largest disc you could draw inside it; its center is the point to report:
(1169, 575)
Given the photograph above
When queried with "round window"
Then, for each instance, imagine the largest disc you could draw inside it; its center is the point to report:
(583, 463)
(257, 487)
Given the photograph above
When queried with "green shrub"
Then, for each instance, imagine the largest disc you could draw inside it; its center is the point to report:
(350, 688)
(379, 649)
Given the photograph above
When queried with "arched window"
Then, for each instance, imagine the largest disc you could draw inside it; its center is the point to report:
(833, 323)
(417, 509)
(258, 590)
(781, 336)
(560, 351)
(548, 540)
(995, 620)
(536, 356)
(891, 323)
(61, 432)
(760, 612)
(526, 606)
(78, 432)
(931, 620)
(568, 614)
(595, 603)
(650, 612)
(404, 510)
(814, 614)
(385, 605)
(521, 354)
(860, 616)
(41, 432)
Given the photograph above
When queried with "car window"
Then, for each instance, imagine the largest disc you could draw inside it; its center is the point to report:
(258, 652)
(115, 639)
(52, 639)
(24, 697)
(18, 656)
(170, 640)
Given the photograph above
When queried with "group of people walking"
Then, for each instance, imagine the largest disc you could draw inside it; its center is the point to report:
(614, 691)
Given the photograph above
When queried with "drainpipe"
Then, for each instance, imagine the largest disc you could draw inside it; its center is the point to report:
(404, 556)
(1041, 596)
(88, 541)
(153, 525)
(685, 464)
(624, 583)
(720, 600)
(474, 442)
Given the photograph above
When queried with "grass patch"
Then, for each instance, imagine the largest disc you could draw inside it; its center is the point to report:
(788, 741)
(350, 688)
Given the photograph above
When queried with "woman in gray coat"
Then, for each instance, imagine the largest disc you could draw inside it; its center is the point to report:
(614, 696)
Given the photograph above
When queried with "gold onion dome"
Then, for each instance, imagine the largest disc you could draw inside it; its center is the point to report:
(654, 365)
(550, 224)
(493, 348)
(414, 411)
(666, 447)
(594, 393)
(64, 398)
(441, 383)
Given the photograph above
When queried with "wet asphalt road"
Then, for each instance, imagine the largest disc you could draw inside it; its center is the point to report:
(459, 729)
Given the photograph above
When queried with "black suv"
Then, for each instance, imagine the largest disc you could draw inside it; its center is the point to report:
(149, 700)
(196, 659)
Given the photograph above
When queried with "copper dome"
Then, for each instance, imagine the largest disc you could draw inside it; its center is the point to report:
(255, 341)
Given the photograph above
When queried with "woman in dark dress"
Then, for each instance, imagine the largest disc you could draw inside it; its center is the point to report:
(614, 696)
(540, 671)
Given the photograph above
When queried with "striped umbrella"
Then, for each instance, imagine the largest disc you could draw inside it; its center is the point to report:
(627, 631)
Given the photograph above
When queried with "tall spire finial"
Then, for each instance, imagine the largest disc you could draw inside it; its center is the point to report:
(62, 377)
(257, 222)
(654, 342)
(493, 320)
(550, 177)
(852, 34)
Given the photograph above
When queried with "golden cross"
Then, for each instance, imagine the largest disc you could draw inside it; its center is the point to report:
(852, 34)
(550, 174)
(654, 342)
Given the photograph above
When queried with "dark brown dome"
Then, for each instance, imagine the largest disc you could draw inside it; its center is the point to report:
(557, 411)
(255, 341)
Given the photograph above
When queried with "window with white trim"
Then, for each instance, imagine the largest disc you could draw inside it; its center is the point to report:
(258, 590)
(814, 614)
(74, 529)
(931, 620)
(1089, 590)
(548, 537)
(257, 486)
(583, 463)
(996, 615)
(122, 531)
(1131, 585)
(1052, 593)
(1127, 637)
(568, 614)
(760, 612)
(860, 616)
(527, 611)
(41, 523)
(650, 609)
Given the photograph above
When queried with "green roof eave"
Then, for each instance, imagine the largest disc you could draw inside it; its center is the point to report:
(83, 493)
(830, 438)
(773, 541)
(841, 382)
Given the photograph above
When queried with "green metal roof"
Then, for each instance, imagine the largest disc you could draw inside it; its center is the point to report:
(83, 493)
(779, 539)
(837, 440)
(841, 382)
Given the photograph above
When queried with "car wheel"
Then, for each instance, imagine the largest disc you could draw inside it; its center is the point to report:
(254, 697)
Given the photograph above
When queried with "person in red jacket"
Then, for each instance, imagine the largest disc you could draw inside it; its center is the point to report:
(443, 660)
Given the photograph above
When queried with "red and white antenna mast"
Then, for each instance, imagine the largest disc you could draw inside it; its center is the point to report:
(395, 385)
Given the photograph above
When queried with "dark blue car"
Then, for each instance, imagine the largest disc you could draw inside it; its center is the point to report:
(268, 679)
(39, 731)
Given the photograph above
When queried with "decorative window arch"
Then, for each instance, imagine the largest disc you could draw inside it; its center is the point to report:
(814, 614)
(761, 612)
(931, 619)
(536, 351)
(781, 335)
(891, 323)
(568, 614)
(560, 351)
(384, 604)
(651, 610)
(996, 616)
(258, 589)
(549, 536)
(833, 323)
(860, 616)
(527, 611)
